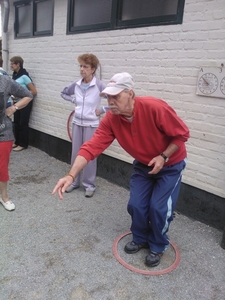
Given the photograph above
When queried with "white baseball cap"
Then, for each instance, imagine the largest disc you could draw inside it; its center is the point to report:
(118, 83)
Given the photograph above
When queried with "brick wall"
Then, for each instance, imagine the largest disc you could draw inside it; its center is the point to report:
(164, 61)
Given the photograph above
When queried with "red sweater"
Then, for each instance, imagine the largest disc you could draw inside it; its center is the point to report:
(154, 126)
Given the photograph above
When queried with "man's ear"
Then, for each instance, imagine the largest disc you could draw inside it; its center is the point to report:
(131, 93)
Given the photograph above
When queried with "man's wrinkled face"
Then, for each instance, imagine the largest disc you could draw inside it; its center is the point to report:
(120, 103)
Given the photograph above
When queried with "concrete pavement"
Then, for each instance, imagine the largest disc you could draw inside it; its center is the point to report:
(63, 250)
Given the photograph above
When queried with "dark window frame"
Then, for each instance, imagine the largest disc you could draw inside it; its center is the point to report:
(116, 22)
(33, 19)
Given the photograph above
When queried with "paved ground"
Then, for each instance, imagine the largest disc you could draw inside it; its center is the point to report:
(62, 250)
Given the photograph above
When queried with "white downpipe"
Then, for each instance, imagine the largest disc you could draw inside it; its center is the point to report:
(5, 51)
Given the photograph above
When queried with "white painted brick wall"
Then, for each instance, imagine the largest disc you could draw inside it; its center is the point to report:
(164, 61)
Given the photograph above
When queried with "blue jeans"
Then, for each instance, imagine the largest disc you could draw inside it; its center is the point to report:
(8, 104)
(152, 202)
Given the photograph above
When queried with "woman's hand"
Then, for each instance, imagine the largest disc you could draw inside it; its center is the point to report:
(97, 112)
(10, 111)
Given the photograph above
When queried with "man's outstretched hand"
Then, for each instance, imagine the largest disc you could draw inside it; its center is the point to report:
(62, 185)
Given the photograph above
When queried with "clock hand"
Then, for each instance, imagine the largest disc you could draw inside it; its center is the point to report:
(205, 81)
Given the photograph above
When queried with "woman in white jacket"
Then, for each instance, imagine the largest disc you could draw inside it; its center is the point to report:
(84, 93)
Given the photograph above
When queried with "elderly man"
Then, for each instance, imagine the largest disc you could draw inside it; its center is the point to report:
(151, 132)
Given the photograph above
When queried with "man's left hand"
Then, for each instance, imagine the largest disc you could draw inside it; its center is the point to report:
(157, 163)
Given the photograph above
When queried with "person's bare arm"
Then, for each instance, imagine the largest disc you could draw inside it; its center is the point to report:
(78, 165)
(19, 105)
(32, 89)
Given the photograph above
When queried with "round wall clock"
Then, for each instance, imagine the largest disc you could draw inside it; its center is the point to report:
(222, 85)
(208, 83)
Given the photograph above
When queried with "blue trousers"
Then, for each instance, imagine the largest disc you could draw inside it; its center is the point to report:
(152, 202)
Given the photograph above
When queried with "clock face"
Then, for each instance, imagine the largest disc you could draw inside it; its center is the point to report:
(208, 83)
(222, 85)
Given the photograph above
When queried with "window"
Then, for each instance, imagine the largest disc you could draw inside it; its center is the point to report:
(33, 18)
(89, 15)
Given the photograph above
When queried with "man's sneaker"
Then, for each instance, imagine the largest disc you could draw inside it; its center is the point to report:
(71, 188)
(8, 205)
(133, 247)
(89, 193)
(153, 259)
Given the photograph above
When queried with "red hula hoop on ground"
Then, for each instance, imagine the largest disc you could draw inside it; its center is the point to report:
(145, 272)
